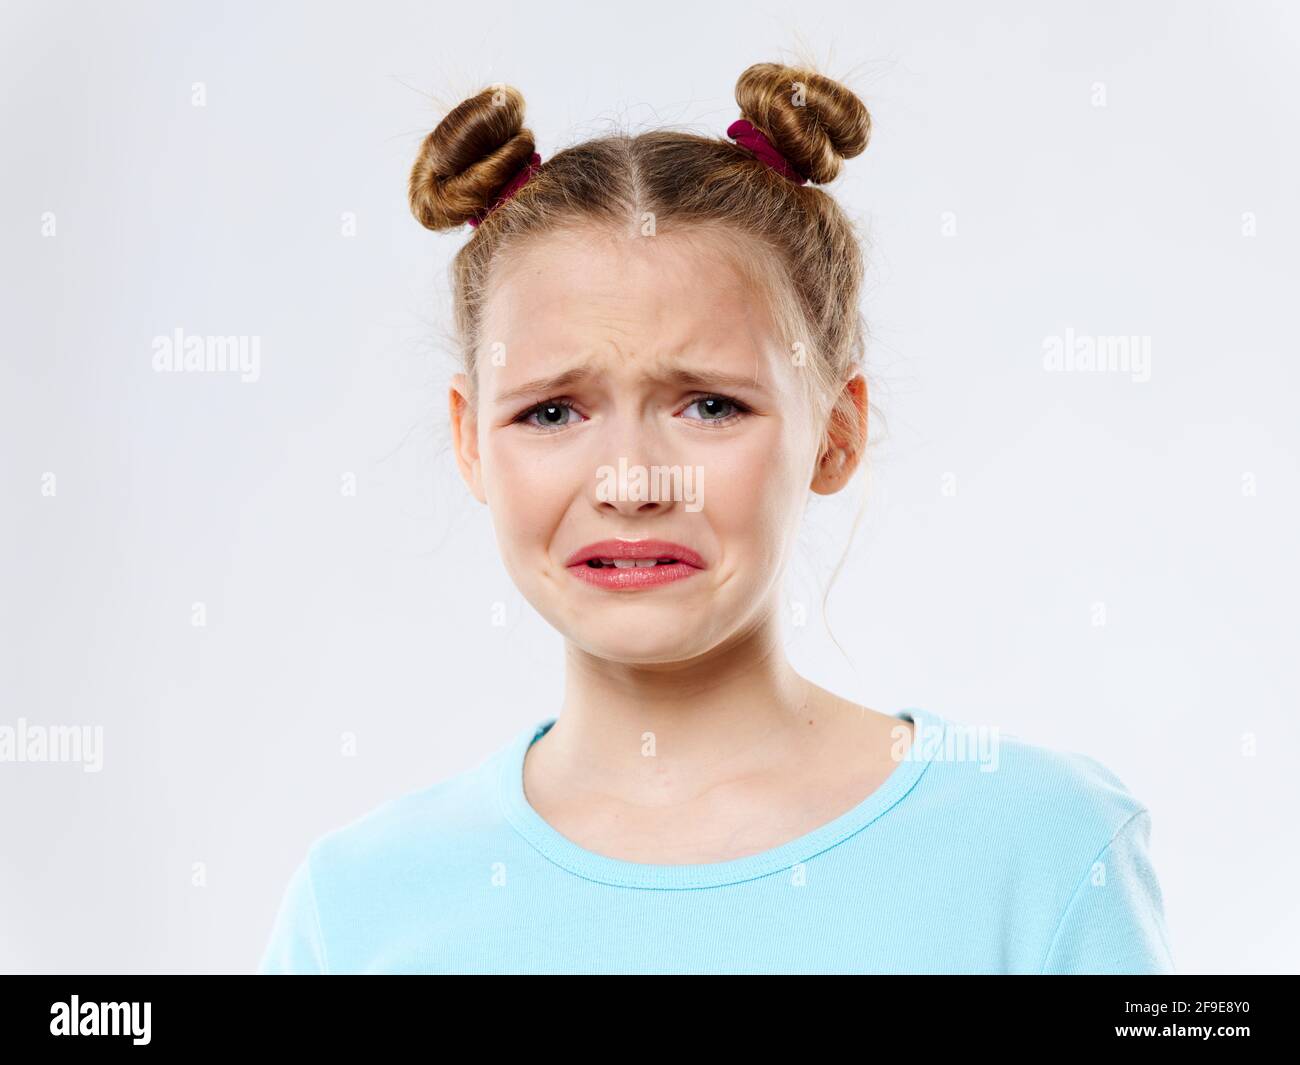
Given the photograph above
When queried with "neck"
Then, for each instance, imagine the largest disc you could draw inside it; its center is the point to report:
(709, 719)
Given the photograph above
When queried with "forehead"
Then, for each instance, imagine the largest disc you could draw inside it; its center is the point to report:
(582, 290)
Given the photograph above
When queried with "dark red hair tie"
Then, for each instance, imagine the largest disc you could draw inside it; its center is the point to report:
(516, 183)
(753, 140)
(742, 131)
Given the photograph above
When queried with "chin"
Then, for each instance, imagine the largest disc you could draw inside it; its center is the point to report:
(638, 641)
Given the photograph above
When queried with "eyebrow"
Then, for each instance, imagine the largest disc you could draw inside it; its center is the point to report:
(680, 376)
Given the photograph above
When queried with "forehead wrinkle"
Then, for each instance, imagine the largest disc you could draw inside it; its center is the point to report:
(566, 276)
(657, 360)
(665, 368)
(542, 310)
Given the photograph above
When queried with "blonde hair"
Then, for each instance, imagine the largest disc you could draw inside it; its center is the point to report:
(690, 185)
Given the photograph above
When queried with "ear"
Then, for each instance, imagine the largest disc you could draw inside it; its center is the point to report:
(464, 435)
(846, 438)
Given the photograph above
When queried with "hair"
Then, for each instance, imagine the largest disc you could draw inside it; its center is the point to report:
(699, 187)
(694, 186)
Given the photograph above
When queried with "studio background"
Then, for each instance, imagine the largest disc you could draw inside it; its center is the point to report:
(1090, 561)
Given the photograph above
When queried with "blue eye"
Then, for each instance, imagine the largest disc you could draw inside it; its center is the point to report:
(717, 409)
(551, 415)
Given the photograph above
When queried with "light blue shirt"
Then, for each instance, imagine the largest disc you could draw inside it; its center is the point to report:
(973, 856)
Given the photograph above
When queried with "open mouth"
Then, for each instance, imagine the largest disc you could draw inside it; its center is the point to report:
(629, 563)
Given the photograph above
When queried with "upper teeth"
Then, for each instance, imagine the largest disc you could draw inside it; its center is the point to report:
(628, 563)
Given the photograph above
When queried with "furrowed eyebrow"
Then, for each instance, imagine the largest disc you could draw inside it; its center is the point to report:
(711, 380)
(546, 385)
(559, 382)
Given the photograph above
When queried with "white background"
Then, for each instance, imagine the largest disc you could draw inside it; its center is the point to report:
(372, 615)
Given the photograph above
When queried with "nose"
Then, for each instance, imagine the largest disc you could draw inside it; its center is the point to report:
(625, 488)
(634, 476)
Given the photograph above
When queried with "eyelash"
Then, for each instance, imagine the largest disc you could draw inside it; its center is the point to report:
(740, 411)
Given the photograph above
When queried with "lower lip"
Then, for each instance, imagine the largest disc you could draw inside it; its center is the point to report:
(634, 577)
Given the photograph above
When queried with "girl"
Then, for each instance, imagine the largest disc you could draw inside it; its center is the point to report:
(662, 356)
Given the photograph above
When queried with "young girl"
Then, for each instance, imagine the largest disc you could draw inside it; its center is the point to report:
(662, 356)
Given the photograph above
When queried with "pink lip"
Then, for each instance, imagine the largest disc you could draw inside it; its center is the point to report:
(687, 563)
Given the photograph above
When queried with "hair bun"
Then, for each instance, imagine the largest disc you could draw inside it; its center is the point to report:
(816, 123)
(469, 158)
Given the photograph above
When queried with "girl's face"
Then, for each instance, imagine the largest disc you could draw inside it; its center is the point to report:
(650, 358)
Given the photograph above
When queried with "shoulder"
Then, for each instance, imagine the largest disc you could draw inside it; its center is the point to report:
(1000, 780)
(379, 869)
(1041, 814)
(416, 824)
(1068, 840)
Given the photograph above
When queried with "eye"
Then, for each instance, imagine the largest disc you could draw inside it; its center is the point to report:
(717, 409)
(551, 414)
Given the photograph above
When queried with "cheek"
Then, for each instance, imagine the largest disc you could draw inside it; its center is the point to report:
(526, 491)
(754, 492)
